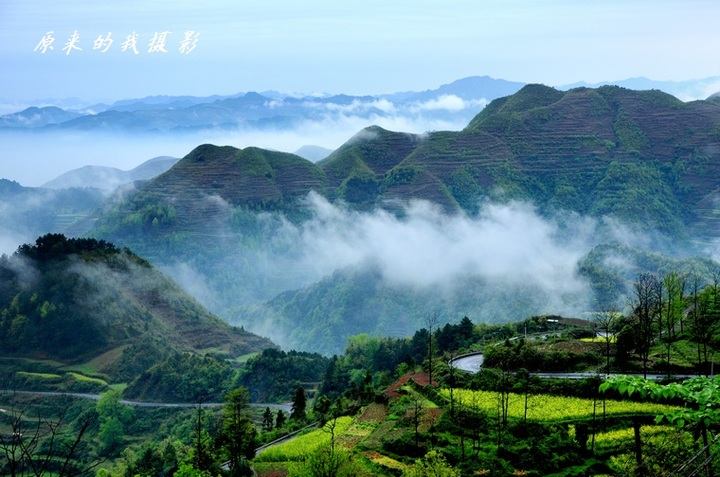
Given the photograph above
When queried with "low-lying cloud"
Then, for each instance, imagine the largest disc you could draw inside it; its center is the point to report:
(426, 247)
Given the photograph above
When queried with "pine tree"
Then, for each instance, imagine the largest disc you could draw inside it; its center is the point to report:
(267, 421)
(298, 405)
(280, 419)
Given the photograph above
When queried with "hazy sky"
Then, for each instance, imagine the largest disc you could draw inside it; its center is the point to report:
(345, 46)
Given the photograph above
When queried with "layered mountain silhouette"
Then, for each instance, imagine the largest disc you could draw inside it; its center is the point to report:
(266, 110)
(641, 156)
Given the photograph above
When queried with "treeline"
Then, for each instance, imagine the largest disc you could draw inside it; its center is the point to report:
(183, 377)
(56, 246)
(273, 375)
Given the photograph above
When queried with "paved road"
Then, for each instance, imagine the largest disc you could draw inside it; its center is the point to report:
(470, 362)
(284, 407)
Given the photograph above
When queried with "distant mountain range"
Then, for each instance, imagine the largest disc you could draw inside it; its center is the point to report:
(456, 102)
(595, 151)
(685, 90)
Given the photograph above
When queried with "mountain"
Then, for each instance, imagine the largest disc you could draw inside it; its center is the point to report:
(457, 101)
(34, 117)
(110, 178)
(686, 90)
(642, 156)
(201, 190)
(76, 300)
(263, 231)
(596, 152)
(465, 88)
(313, 153)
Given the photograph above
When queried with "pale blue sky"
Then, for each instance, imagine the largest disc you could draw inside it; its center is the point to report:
(348, 46)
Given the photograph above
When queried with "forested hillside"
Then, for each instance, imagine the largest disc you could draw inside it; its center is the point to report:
(79, 301)
(251, 232)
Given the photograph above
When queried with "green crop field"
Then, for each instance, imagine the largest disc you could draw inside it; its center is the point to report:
(547, 408)
(299, 448)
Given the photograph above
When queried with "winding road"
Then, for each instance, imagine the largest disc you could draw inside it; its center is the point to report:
(95, 397)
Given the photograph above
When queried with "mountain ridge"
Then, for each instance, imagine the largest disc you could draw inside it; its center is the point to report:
(110, 178)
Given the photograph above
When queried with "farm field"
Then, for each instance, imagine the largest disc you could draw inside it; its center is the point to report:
(556, 409)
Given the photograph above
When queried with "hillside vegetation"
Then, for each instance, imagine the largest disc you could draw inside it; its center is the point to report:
(104, 310)
(236, 221)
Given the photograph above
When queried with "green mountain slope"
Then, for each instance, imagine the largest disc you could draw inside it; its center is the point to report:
(356, 170)
(641, 156)
(242, 222)
(74, 300)
(201, 190)
(321, 317)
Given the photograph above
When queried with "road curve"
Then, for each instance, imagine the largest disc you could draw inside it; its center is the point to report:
(471, 362)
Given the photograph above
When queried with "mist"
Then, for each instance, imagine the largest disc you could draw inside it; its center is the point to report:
(507, 263)
(34, 157)
(426, 247)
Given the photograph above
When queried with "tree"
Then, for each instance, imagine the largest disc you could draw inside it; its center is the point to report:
(330, 462)
(42, 447)
(604, 321)
(239, 433)
(267, 420)
(432, 465)
(647, 305)
(415, 413)
(112, 415)
(321, 408)
(674, 286)
(280, 419)
(299, 404)
(431, 322)
(202, 460)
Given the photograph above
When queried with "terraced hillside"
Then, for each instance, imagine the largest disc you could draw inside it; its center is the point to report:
(200, 192)
(640, 155)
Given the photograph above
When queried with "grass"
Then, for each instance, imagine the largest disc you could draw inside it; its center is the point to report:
(622, 438)
(597, 339)
(299, 448)
(41, 376)
(87, 379)
(102, 361)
